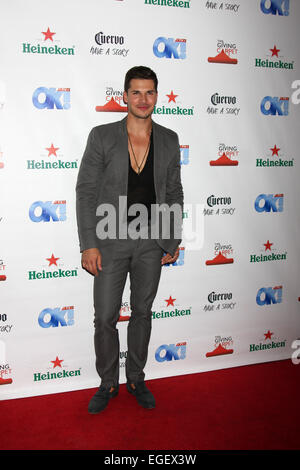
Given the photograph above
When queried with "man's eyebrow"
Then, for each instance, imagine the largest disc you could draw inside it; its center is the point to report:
(150, 89)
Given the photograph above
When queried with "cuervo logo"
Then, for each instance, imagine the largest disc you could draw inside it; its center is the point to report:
(217, 99)
(213, 297)
(101, 39)
(213, 200)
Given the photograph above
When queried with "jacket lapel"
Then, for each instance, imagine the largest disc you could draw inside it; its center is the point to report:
(122, 149)
(158, 160)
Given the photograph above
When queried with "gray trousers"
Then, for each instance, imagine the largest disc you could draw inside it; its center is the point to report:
(142, 260)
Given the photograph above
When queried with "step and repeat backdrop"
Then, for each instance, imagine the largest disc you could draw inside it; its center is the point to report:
(229, 85)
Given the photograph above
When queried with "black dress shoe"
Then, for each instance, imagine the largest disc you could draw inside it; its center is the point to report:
(143, 395)
(101, 398)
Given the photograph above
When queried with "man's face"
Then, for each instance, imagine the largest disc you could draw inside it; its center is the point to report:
(140, 98)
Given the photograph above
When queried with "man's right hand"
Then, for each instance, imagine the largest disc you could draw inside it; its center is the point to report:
(91, 260)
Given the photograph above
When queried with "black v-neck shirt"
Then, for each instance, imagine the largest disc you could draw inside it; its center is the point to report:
(141, 186)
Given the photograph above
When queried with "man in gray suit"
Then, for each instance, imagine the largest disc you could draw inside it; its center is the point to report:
(138, 161)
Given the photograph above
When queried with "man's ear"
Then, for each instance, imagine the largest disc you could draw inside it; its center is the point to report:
(125, 97)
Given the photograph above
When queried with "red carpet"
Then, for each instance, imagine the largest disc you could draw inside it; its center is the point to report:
(250, 407)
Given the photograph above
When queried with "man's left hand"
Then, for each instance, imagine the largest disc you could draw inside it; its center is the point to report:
(169, 258)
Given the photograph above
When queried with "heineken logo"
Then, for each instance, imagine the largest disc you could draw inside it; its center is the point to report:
(271, 162)
(267, 343)
(33, 275)
(177, 110)
(48, 35)
(38, 49)
(274, 61)
(268, 254)
(169, 312)
(51, 48)
(49, 163)
(53, 273)
(59, 373)
(43, 165)
(169, 3)
(173, 109)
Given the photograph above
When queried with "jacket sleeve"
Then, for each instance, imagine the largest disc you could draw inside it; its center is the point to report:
(87, 188)
(174, 195)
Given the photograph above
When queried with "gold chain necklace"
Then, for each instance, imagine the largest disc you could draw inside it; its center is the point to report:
(139, 166)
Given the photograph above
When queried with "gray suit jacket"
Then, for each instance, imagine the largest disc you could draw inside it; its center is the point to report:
(103, 177)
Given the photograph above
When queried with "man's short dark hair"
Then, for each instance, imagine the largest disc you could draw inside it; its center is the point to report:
(140, 72)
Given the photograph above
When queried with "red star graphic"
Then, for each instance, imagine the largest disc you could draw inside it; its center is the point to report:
(275, 51)
(170, 301)
(171, 97)
(275, 151)
(268, 245)
(52, 260)
(48, 35)
(268, 334)
(57, 362)
(52, 150)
